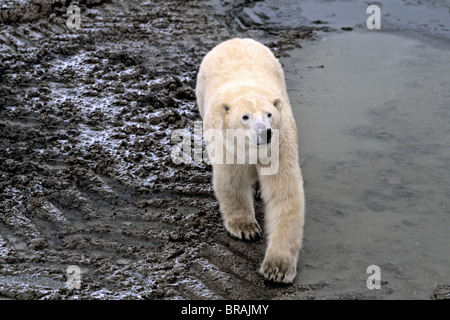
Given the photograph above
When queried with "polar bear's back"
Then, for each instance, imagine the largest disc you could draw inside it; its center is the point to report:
(236, 57)
(239, 63)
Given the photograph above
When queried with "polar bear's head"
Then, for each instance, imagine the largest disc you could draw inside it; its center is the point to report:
(255, 114)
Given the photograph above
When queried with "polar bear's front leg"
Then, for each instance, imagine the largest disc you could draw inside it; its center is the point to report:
(284, 199)
(233, 188)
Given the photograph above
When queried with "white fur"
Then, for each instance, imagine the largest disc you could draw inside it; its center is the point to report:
(242, 76)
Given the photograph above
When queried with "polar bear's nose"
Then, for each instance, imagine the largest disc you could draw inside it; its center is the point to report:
(265, 135)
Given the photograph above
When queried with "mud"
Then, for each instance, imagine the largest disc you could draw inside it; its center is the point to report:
(87, 178)
(86, 174)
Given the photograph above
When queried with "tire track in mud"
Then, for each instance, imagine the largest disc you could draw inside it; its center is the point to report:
(87, 178)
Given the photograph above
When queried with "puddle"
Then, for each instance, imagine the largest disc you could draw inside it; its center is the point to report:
(373, 111)
(428, 17)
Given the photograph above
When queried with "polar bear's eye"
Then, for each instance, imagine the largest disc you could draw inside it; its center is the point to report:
(245, 117)
(269, 114)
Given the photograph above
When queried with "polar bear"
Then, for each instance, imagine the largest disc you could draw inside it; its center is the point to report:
(240, 85)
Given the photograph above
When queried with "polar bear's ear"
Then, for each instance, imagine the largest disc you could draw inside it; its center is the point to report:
(277, 104)
(226, 107)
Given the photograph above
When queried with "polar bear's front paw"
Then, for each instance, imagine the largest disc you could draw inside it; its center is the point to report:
(245, 229)
(279, 269)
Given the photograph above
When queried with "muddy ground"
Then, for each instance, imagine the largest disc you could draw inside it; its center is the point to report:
(86, 176)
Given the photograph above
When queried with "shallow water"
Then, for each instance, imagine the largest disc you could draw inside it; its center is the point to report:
(428, 17)
(373, 111)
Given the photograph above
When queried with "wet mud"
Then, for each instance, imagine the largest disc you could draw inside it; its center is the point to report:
(86, 175)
